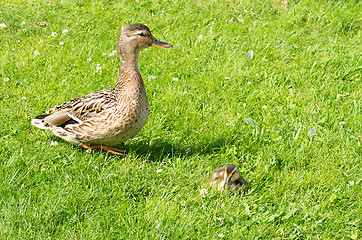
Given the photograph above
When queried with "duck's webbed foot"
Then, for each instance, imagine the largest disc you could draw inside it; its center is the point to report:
(106, 148)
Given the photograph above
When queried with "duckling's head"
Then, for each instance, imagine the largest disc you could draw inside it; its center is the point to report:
(231, 174)
(137, 37)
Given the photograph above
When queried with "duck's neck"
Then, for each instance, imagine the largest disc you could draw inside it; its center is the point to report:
(129, 73)
(129, 60)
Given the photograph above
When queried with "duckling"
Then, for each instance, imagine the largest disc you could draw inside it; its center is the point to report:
(227, 177)
(111, 116)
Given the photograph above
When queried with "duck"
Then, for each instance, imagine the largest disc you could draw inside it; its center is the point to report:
(227, 177)
(107, 117)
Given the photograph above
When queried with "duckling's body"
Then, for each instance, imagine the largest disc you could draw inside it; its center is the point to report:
(227, 177)
(110, 116)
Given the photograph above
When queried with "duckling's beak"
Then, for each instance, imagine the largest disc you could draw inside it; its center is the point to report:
(227, 183)
(160, 44)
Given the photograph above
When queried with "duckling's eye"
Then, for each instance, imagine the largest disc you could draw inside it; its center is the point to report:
(142, 34)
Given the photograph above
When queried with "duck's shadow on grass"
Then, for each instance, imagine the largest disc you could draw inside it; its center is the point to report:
(162, 148)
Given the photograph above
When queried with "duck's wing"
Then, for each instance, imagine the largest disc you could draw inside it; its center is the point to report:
(86, 107)
(76, 110)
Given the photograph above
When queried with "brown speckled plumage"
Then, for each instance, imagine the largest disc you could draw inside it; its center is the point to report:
(109, 116)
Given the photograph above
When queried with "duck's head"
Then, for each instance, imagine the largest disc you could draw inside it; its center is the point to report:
(136, 37)
(231, 174)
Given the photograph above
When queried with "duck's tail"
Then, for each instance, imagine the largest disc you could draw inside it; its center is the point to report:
(56, 119)
(39, 122)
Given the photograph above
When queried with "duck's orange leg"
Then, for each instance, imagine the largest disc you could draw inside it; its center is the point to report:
(106, 148)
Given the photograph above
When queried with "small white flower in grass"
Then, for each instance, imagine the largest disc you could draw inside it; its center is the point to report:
(23, 98)
(314, 112)
(2, 25)
(200, 36)
(249, 83)
(257, 75)
(153, 77)
(183, 204)
(159, 170)
(98, 68)
(54, 143)
(40, 41)
(230, 124)
(43, 170)
(227, 78)
(113, 53)
(221, 235)
(196, 59)
(264, 107)
(13, 49)
(17, 41)
(203, 191)
(250, 54)
(66, 177)
(89, 59)
(24, 30)
(61, 43)
(6, 79)
(65, 31)
(354, 237)
(251, 121)
(21, 211)
(104, 54)
(342, 123)
(219, 218)
(23, 23)
(312, 132)
(54, 34)
(36, 53)
(88, 150)
(175, 79)
(64, 80)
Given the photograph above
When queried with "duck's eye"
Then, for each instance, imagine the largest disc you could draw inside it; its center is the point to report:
(142, 34)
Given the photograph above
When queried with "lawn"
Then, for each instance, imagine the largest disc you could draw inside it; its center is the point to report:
(272, 86)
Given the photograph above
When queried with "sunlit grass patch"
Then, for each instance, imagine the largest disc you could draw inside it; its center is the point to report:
(271, 86)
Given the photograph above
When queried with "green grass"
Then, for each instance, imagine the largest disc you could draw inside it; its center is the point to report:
(305, 73)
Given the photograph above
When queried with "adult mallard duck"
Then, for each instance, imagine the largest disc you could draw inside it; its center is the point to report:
(110, 116)
(227, 177)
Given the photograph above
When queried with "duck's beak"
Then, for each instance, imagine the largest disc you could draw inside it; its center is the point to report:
(227, 183)
(160, 44)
